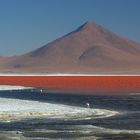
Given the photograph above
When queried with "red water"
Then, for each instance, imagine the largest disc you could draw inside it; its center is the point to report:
(106, 84)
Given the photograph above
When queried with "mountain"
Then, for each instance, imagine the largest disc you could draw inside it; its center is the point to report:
(88, 49)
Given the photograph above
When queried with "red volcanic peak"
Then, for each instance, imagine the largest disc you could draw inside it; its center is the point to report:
(88, 49)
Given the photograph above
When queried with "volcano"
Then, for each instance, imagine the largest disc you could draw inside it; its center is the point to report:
(89, 49)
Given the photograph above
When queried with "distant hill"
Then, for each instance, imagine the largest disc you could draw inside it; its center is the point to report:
(89, 49)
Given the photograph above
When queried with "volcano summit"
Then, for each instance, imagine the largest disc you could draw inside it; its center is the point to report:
(88, 49)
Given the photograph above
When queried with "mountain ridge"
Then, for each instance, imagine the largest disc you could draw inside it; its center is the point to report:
(88, 49)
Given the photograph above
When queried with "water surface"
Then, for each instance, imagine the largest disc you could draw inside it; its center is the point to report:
(36, 114)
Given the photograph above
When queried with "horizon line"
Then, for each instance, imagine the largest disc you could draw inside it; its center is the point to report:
(64, 74)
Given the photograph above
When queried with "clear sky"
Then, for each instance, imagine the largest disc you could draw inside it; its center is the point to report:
(28, 24)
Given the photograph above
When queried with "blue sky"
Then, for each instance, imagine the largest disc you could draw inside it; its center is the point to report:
(28, 24)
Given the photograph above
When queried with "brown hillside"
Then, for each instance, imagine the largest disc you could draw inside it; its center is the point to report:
(89, 49)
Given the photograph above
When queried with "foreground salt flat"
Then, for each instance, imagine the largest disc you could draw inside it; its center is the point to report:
(9, 87)
(13, 109)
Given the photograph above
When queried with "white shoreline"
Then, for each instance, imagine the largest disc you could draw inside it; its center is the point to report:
(10, 87)
(15, 109)
(63, 74)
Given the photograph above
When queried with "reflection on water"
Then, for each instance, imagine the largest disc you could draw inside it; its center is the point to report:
(32, 114)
